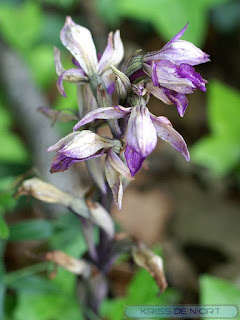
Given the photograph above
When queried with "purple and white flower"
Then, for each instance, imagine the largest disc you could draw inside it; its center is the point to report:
(172, 72)
(78, 40)
(79, 146)
(142, 131)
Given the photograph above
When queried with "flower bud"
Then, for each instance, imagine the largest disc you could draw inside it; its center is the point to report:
(123, 84)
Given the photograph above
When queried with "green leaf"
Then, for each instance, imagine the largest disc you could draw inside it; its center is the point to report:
(31, 230)
(21, 24)
(61, 305)
(33, 285)
(220, 151)
(170, 16)
(223, 110)
(4, 231)
(218, 291)
(141, 290)
(46, 307)
(220, 155)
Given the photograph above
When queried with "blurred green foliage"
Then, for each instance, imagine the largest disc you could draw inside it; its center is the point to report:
(38, 297)
(220, 150)
(141, 290)
(214, 290)
(12, 148)
(170, 16)
(30, 29)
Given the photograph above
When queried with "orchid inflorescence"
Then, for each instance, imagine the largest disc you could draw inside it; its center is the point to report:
(168, 74)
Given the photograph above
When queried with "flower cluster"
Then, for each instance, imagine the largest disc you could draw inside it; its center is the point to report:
(168, 74)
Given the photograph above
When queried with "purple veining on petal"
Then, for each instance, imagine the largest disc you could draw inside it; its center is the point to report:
(75, 62)
(187, 71)
(134, 160)
(61, 163)
(60, 86)
(154, 74)
(136, 75)
(182, 51)
(167, 133)
(179, 99)
(165, 73)
(71, 75)
(141, 135)
(103, 113)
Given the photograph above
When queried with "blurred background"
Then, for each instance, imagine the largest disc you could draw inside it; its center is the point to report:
(189, 212)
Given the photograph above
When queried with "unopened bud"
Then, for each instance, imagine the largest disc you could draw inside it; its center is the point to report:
(134, 64)
(123, 84)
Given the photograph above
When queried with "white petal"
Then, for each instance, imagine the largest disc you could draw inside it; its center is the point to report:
(115, 183)
(113, 52)
(78, 40)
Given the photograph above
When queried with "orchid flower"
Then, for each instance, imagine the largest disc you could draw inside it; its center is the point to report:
(86, 145)
(172, 73)
(78, 40)
(79, 146)
(142, 131)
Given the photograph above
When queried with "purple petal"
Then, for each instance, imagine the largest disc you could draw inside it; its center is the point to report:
(187, 71)
(179, 51)
(138, 74)
(179, 99)
(154, 74)
(167, 133)
(165, 73)
(76, 63)
(61, 163)
(70, 75)
(103, 113)
(111, 88)
(141, 135)
(178, 35)
(155, 55)
(134, 160)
